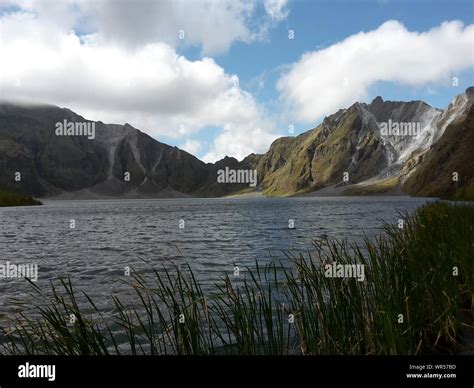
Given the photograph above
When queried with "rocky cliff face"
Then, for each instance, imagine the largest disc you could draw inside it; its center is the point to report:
(370, 144)
(446, 169)
(119, 161)
(345, 142)
(364, 149)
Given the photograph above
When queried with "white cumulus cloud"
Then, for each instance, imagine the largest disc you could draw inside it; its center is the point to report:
(151, 86)
(213, 25)
(192, 146)
(240, 140)
(323, 81)
(276, 9)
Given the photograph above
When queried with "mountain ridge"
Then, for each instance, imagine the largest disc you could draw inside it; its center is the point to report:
(348, 152)
(349, 142)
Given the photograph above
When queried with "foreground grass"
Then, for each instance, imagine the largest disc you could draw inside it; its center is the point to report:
(9, 198)
(419, 279)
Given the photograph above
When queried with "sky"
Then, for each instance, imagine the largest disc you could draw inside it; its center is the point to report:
(225, 78)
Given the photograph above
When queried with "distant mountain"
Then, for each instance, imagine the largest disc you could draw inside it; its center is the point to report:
(376, 148)
(384, 147)
(75, 166)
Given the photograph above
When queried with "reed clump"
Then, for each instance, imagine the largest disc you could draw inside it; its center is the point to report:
(418, 281)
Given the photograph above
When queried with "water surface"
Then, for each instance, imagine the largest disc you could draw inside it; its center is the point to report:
(114, 234)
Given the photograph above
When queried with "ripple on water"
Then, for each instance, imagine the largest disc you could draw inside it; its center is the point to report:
(110, 235)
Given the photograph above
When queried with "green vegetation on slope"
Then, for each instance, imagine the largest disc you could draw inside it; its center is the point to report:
(9, 198)
(381, 187)
(418, 281)
(318, 158)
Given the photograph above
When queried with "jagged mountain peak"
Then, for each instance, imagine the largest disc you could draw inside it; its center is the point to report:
(369, 141)
(352, 140)
(469, 92)
(377, 100)
(119, 161)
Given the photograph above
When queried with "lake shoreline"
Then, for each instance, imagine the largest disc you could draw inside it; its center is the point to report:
(11, 199)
